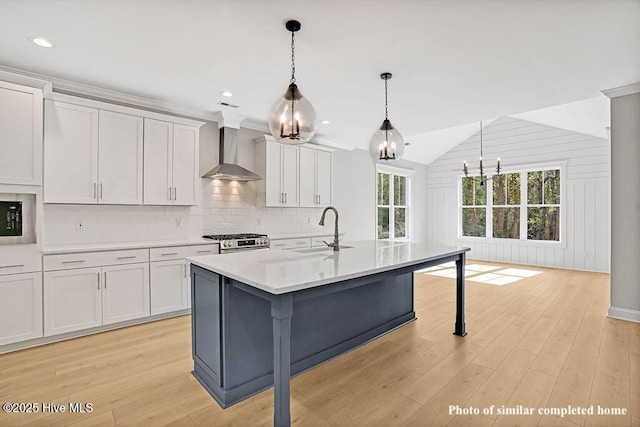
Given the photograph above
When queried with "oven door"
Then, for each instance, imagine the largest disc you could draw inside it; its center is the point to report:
(236, 250)
(17, 218)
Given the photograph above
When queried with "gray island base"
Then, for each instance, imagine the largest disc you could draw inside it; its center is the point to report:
(291, 312)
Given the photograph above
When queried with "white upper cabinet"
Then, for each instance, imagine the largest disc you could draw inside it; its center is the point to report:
(102, 153)
(315, 177)
(20, 134)
(170, 163)
(70, 153)
(279, 165)
(158, 162)
(120, 158)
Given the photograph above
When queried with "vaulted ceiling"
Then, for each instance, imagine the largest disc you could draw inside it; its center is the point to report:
(454, 62)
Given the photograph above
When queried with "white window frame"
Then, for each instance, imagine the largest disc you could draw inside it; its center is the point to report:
(523, 170)
(408, 174)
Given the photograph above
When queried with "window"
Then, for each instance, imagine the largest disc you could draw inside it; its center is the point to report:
(506, 206)
(474, 207)
(393, 196)
(533, 193)
(543, 205)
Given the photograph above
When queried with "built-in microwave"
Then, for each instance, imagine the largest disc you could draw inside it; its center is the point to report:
(17, 218)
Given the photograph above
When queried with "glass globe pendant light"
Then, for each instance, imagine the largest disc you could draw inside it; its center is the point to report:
(293, 119)
(386, 144)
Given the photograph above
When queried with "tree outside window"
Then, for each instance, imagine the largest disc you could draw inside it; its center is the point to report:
(536, 193)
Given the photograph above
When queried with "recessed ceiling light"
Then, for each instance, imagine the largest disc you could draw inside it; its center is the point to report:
(40, 41)
(226, 94)
(325, 122)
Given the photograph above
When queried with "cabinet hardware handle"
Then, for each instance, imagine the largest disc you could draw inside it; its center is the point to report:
(170, 194)
(169, 254)
(203, 252)
(281, 197)
(279, 244)
(184, 269)
(73, 262)
(105, 280)
(301, 243)
(127, 257)
(94, 190)
(98, 280)
(318, 199)
(175, 193)
(285, 198)
(100, 191)
(12, 266)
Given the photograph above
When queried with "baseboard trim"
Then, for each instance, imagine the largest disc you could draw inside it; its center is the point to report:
(624, 314)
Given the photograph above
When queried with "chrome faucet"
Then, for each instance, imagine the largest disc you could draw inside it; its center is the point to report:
(335, 245)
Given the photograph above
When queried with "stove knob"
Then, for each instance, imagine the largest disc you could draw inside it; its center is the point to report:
(225, 244)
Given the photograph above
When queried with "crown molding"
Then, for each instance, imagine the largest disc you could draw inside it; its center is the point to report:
(19, 79)
(617, 92)
(70, 87)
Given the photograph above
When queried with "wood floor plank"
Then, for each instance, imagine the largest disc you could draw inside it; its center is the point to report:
(609, 392)
(533, 392)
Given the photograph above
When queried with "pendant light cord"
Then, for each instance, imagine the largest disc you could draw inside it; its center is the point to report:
(293, 58)
(386, 103)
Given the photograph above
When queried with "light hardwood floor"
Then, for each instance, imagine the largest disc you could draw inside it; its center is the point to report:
(544, 341)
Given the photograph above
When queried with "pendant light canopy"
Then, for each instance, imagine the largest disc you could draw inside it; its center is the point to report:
(293, 119)
(386, 144)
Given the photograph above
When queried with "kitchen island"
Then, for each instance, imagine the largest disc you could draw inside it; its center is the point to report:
(260, 317)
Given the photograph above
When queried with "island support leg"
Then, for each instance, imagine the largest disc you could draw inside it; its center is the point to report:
(281, 311)
(461, 328)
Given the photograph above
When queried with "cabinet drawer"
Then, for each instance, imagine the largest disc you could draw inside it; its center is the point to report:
(94, 259)
(19, 262)
(181, 252)
(319, 241)
(291, 243)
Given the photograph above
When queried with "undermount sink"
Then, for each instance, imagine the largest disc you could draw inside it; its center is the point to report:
(322, 249)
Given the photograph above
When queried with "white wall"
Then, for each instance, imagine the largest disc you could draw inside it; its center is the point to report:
(585, 190)
(355, 194)
(625, 207)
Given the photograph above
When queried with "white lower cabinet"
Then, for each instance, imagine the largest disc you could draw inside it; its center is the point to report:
(20, 307)
(169, 286)
(125, 292)
(89, 297)
(72, 300)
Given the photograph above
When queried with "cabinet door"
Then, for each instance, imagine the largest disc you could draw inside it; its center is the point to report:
(186, 182)
(308, 195)
(70, 153)
(72, 300)
(168, 286)
(120, 159)
(273, 174)
(158, 162)
(20, 307)
(20, 135)
(323, 177)
(290, 175)
(125, 293)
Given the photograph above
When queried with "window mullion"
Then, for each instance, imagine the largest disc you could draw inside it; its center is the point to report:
(523, 205)
(392, 231)
(489, 209)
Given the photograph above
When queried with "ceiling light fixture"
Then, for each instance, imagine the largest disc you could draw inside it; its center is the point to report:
(483, 177)
(325, 122)
(226, 94)
(386, 144)
(42, 42)
(293, 119)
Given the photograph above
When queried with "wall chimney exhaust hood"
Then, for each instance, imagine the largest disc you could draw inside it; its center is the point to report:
(228, 169)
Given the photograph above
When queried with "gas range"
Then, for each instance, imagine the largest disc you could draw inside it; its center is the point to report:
(240, 241)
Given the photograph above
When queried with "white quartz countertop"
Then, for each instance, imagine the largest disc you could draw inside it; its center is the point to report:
(282, 271)
(301, 235)
(112, 246)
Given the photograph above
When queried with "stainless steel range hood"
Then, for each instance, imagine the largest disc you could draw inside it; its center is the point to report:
(228, 168)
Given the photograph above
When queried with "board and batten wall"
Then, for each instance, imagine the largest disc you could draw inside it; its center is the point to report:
(585, 190)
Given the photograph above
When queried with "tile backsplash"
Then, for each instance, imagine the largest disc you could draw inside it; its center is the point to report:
(225, 207)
